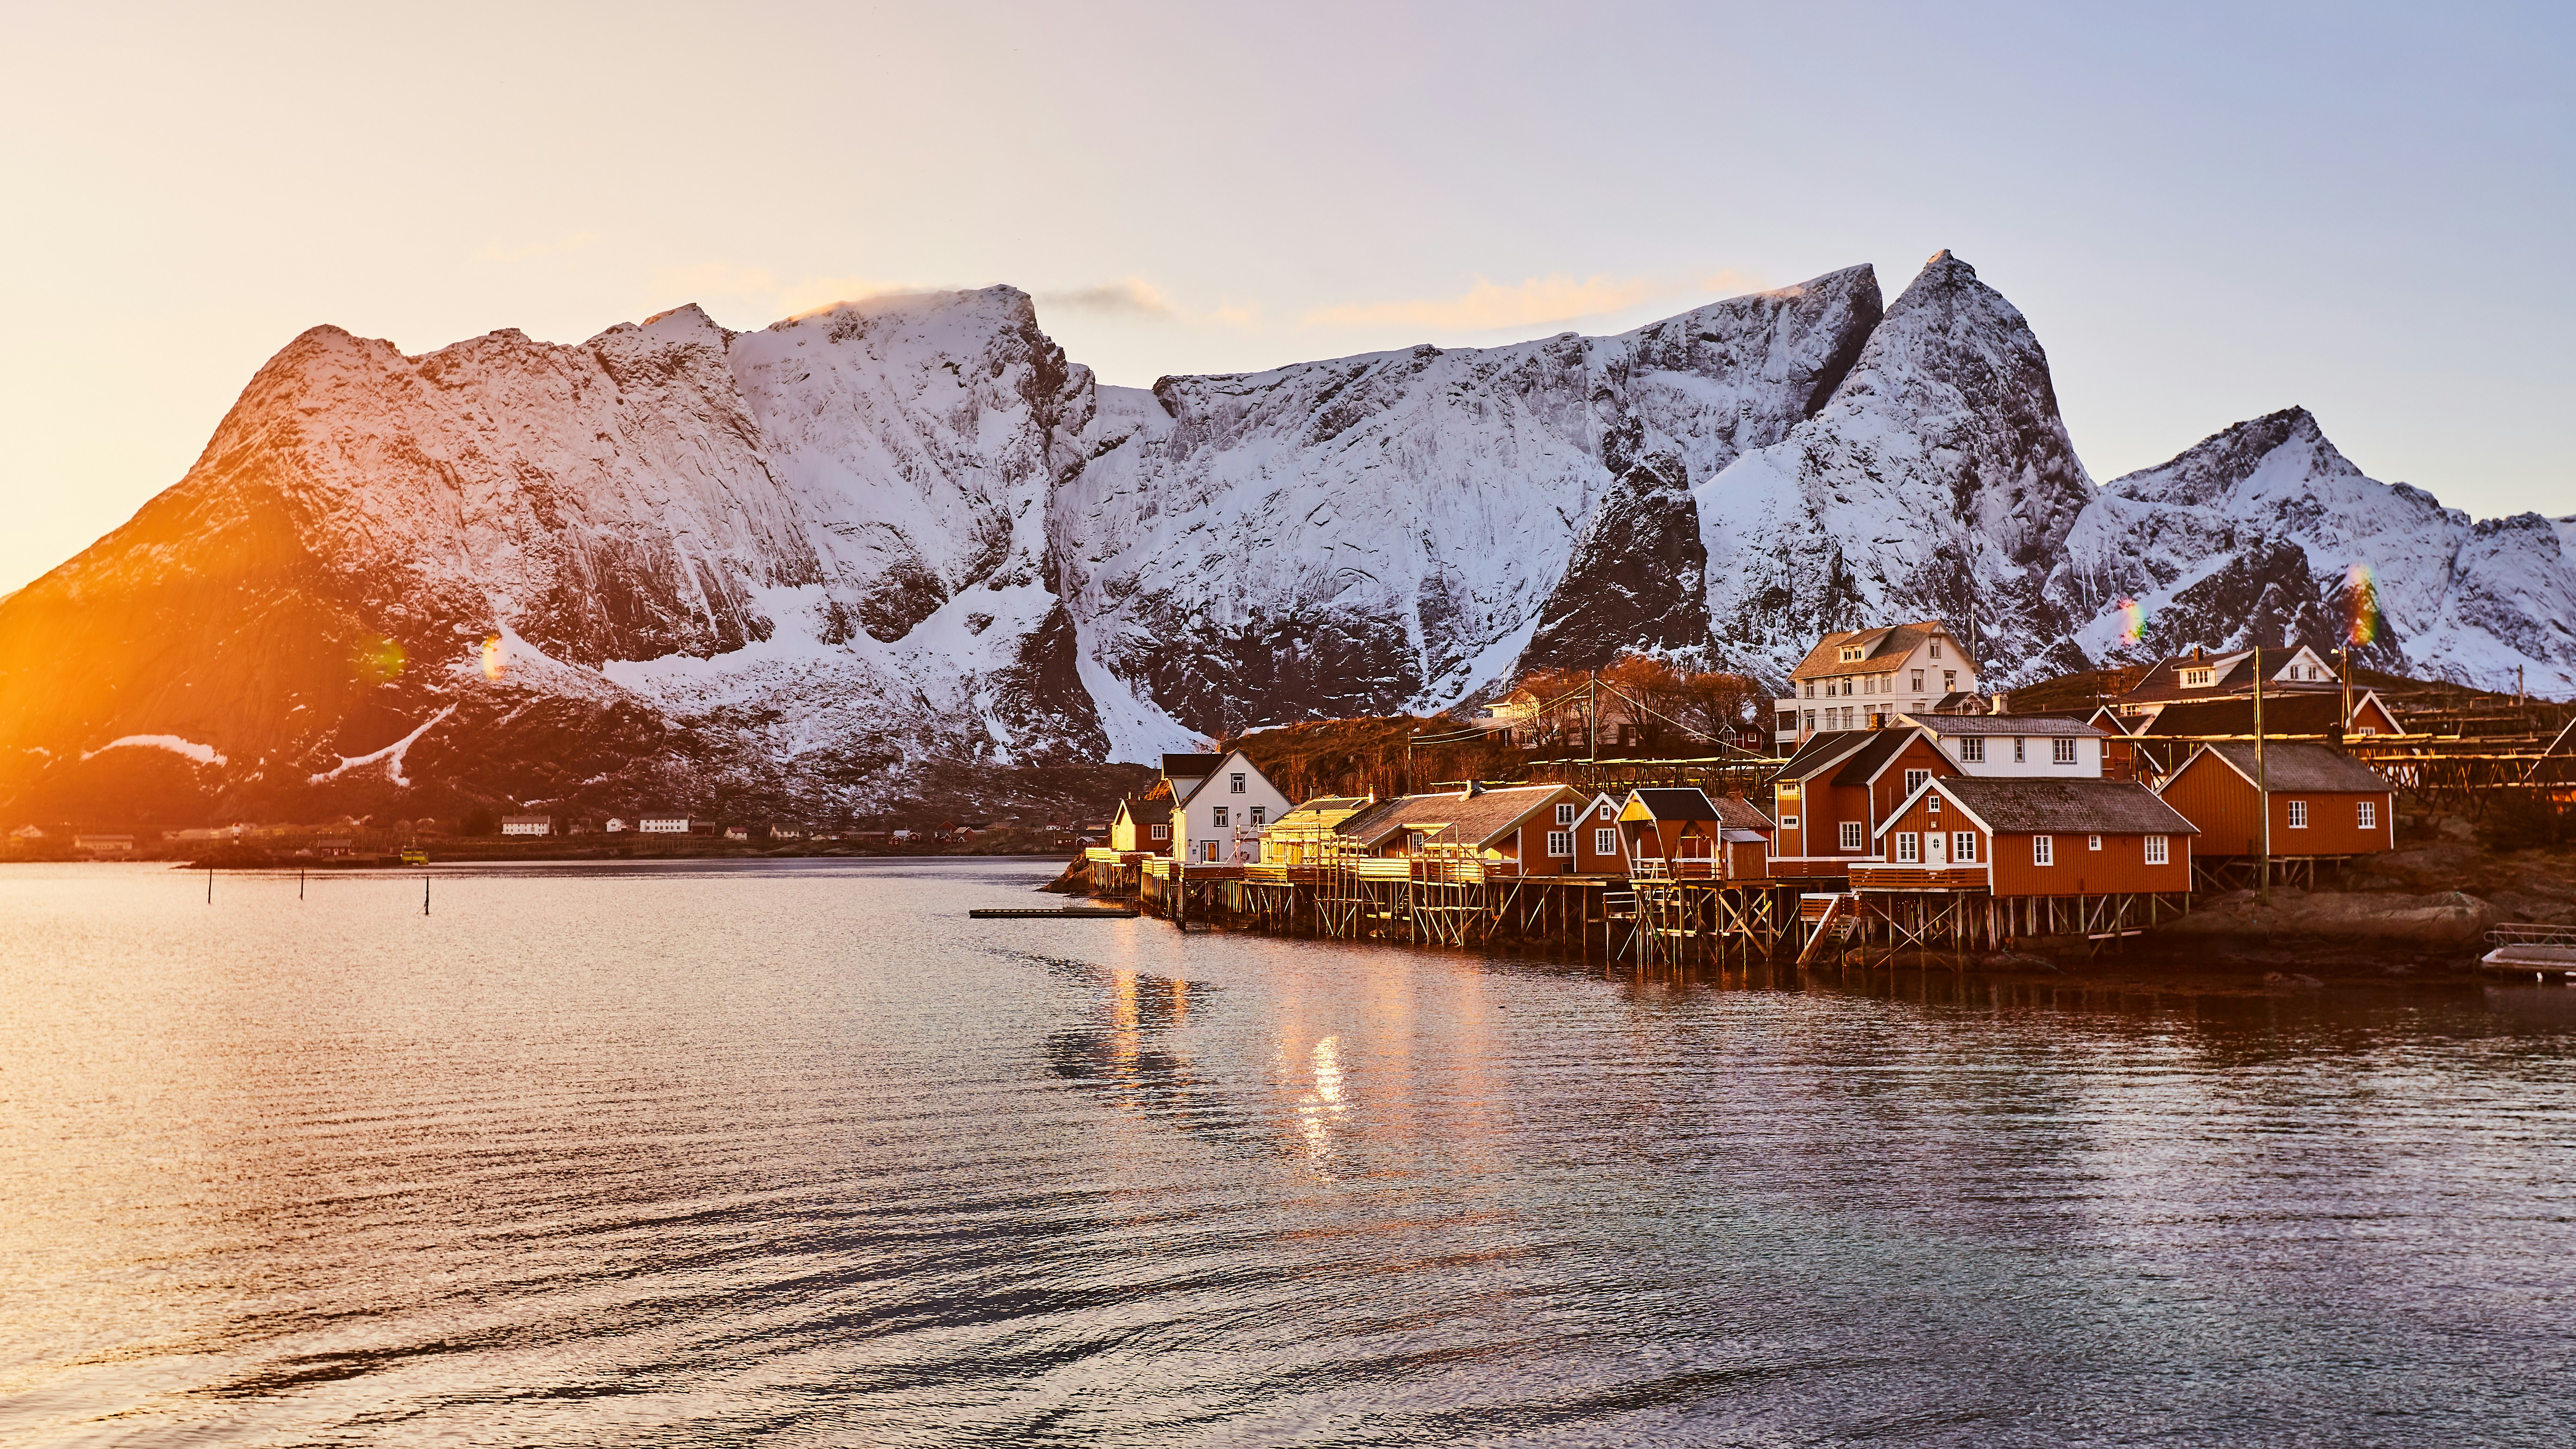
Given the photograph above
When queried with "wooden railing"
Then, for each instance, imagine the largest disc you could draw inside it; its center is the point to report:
(1876, 875)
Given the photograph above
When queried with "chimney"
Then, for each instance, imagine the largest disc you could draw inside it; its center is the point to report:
(2001, 702)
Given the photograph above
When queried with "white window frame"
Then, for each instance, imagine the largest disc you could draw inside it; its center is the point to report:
(1936, 651)
(1217, 817)
(2157, 852)
(2198, 678)
(2368, 816)
(2018, 756)
(1158, 832)
(1963, 847)
(2043, 850)
(1918, 681)
(1916, 780)
(1849, 837)
(2092, 842)
(1909, 847)
(2298, 815)
(1788, 822)
(1607, 811)
(1560, 843)
(1237, 778)
(1605, 841)
(1565, 812)
(1972, 750)
(2061, 751)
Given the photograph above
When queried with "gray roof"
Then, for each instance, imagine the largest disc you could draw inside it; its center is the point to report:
(2301, 765)
(2065, 807)
(1464, 819)
(2035, 725)
(1737, 813)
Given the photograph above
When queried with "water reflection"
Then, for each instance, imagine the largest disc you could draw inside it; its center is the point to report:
(656, 1156)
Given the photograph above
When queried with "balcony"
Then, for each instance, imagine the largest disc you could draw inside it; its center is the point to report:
(1878, 875)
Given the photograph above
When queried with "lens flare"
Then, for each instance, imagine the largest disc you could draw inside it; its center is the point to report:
(494, 658)
(2133, 622)
(379, 660)
(2360, 606)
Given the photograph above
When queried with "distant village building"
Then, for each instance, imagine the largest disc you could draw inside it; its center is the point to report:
(737, 832)
(1851, 679)
(662, 825)
(27, 832)
(333, 846)
(616, 825)
(527, 825)
(103, 844)
(1220, 806)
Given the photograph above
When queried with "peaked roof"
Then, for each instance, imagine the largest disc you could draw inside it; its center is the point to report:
(1824, 748)
(1196, 765)
(2009, 805)
(2235, 671)
(1883, 650)
(1885, 745)
(2031, 725)
(2297, 765)
(1737, 813)
(1152, 811)
(1683, 803)
(2283, 714)
(1463, 819)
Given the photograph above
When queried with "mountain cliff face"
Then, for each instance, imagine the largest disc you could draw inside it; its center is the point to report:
(814, 568)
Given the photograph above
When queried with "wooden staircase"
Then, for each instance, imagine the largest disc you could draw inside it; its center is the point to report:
(1835, 915)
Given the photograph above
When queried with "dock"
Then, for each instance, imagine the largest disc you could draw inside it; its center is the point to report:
(1052, 913)
(2541, 950)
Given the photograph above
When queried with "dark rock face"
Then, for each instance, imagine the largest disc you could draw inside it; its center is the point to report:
(1637, 576)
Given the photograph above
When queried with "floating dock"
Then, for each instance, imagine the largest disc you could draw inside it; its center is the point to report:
(1052, 913)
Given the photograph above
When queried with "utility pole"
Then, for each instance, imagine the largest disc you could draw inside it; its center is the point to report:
(1592, 718)
(2262, 789)
(2345, 722)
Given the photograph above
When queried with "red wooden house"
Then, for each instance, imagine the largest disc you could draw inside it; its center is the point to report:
(2018, 837)
(1598, 849)
(1831, 796)
(2324, 803)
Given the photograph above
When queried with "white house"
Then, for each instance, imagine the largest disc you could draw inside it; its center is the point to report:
(662, 825)
(616, 825)
(527, 825)
(2016, 746)
(1220, 806)
(1851, 679)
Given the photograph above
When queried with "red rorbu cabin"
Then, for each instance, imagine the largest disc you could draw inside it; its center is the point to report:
(1598, 850)
(2035, 837)
(2324, 803)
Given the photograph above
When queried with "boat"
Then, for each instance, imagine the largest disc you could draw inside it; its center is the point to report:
(414, 855)
(2540, 950)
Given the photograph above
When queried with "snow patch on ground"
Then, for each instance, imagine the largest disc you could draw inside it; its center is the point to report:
(391, 756)
(202, 754)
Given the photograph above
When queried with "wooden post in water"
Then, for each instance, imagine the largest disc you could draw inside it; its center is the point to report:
(299, 883)
(424, 893)
(210, 885)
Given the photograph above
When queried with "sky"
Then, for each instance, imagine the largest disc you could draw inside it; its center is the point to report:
(2208, 213)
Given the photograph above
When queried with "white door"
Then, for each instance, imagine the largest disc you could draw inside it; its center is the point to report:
(1936, 848)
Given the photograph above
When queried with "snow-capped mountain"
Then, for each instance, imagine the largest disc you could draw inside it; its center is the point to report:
(2253, 536)
(884, 548)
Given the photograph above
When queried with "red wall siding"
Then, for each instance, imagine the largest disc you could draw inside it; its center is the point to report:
(2120, 865)
(2221, 802)
(1889, 791)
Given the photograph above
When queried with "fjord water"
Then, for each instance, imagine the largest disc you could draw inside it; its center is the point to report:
(698, 1154)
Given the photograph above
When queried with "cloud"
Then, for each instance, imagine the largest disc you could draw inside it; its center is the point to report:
(529, 251)
(1137, 299)
(1536, 302)
(759, 290)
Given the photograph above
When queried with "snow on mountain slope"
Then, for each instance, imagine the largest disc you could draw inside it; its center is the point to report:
(2249, 536)
(1388, 531)
(1937, 480)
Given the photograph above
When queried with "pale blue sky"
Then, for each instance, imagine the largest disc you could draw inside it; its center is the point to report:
(2207, 212)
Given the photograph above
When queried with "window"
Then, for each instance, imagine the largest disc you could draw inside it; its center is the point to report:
(1811, 717)
(2369, 815)
(2197, 678)
(2017, 754)
(1162, 832)
(2155, 850)
(1260, 814)
(1207, 851)
(1916, 780)
(1605, 841)
(1238, 782)
(1931, 804)
(1909, 847)
(2298, 815)
(1607, 811)
(1963, 847)
(2061, 752)
(2043, 850)
(1936, 649)
(1565, 812)
(2092, 842)
(1851, 835)
(1811, 689)
(1788, 822)
(1850, 653)
(1413, 841)
(1949, 681)
(1560, 842)
(1847, 684)
(1972, 751)
(1918, 681)
(1220, 817)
